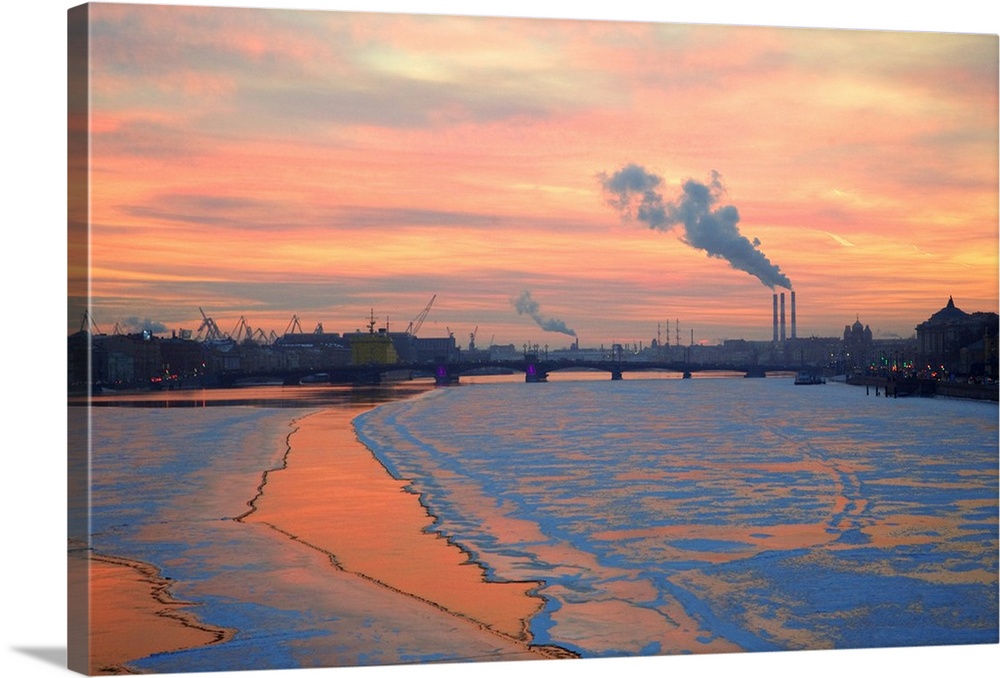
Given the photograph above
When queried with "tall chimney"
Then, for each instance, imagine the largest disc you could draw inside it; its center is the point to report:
(793, 314)
(775, 318)
(782, 316)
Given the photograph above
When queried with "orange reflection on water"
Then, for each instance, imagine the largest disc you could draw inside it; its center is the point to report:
(132, 616)
(334, 496)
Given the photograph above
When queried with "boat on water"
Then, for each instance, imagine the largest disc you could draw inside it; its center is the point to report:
(807, 379)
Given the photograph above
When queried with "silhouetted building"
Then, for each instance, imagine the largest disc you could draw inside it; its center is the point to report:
(316, 350)
(857, 348)
(78, 359)
(181, 356)
(952, 341)
(857, 334)
(429, 349)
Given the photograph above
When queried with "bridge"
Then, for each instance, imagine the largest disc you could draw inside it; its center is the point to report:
(536, 370)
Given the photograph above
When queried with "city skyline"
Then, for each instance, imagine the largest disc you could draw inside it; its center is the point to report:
(534, 174)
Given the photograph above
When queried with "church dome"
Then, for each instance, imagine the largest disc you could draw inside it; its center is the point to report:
(950, 313)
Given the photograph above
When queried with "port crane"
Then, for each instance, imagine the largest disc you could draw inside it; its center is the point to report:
(293, 326)
(245, 333)
(260, 337)
(89, 325)
(242, 330)
(213, 333)
(417, 322)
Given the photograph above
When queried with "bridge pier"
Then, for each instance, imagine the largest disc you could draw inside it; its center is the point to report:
(616, 375)
(534, 375)
(444, 377)
(367, 378)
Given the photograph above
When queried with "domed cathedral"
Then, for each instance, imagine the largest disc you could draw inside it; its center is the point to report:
(858, 334)
(857, 344)
(955, 342)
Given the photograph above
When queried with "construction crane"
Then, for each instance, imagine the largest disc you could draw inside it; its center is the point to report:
(89, 325)
(213, 333)
(417, 322)
(293, 326)
(263, 339)
(472, 338)
(242, 331)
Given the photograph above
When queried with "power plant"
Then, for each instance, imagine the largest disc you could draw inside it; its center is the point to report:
(779, 333)
(793, 314)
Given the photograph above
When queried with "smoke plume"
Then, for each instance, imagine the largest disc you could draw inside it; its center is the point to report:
(525, 305)
(634, 193)
(135, 324)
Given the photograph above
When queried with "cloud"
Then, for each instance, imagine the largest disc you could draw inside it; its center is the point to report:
(214, 210)
(245, 213)
(838, 239)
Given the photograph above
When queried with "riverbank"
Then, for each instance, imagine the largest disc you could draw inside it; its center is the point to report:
(927, 388)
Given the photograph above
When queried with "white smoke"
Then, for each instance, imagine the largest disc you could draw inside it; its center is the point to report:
(525, 305)
(634, 193)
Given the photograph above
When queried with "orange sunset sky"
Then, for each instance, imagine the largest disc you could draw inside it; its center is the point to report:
(271, 163)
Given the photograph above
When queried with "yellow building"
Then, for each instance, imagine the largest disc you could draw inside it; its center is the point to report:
(374, 348)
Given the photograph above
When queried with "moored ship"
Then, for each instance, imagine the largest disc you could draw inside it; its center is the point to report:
(807, 379)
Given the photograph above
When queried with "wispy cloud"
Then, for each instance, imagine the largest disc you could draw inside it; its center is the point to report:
(837, 239)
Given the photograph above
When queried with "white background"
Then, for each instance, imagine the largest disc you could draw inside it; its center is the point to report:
(33, 339)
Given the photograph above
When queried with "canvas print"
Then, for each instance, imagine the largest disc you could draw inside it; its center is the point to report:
(413, 339)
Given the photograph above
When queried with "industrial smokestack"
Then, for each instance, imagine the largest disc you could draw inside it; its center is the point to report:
(793, 314)
(775, 317)
(782, 316)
